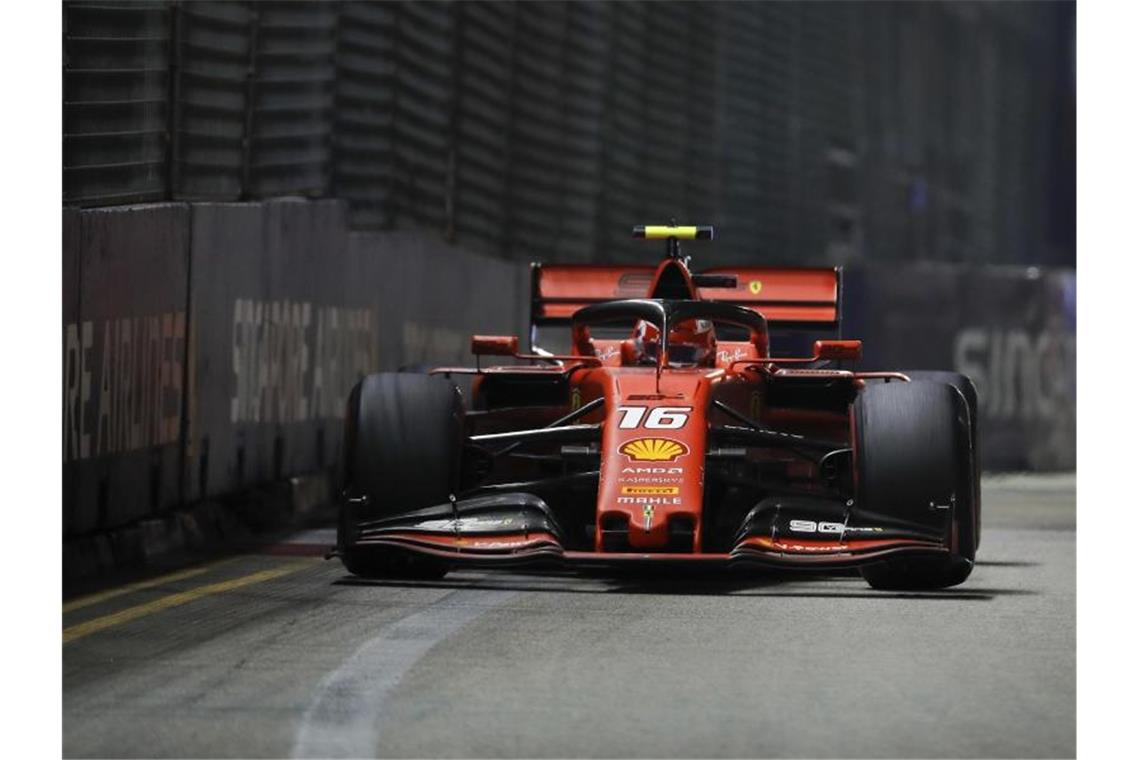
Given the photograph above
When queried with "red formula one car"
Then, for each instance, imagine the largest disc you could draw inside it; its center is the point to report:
(668, 430)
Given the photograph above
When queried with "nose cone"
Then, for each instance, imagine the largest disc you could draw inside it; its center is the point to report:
(652, 471)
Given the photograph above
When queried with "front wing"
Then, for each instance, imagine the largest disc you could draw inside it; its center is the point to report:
(519, 529)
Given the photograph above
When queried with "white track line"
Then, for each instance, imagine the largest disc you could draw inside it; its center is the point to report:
(346, 715)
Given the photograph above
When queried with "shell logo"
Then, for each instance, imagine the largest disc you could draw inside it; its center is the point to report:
(653, 449)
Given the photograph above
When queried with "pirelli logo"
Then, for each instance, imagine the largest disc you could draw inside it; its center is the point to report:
(650, 490)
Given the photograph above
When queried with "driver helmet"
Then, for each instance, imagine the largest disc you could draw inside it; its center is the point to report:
(691, 343)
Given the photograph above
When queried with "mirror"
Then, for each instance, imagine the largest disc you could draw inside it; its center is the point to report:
(494, 345)
(836, 350)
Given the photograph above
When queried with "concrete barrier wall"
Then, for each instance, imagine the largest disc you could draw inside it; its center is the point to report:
(431, 300)
(289, 309)
(209, 347)
(124, 353)
(264, 278)
(76, 382)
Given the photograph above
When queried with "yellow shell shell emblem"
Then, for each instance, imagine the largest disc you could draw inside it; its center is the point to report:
(755, 287)
(653, 449)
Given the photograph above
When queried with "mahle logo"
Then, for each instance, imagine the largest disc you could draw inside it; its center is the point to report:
(653, 449)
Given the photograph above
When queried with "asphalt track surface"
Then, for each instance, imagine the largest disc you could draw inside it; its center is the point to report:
(287, 656)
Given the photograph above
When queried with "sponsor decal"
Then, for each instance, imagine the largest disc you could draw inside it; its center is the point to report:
(1020, 375)
(122, 384)
(808, 548)
(608, 353)
(647, 513)
(755, 286)
(811, 526)
(674, 501)
(650, 490)
(653, 449)
(660, 417)
(737, 353)
(651, 476)
(295, 361)
(464, 523)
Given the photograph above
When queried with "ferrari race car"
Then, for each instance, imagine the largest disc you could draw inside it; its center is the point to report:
(672, 427)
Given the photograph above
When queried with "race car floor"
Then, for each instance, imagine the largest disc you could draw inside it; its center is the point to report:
(278, 653)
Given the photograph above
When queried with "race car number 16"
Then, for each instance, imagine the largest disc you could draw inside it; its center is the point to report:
(660, 417)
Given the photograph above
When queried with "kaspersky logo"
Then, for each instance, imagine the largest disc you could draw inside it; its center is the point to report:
(653, 449)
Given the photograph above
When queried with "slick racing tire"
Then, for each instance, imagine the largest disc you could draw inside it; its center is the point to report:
(403, 435)
(912, 451)
(966, 386)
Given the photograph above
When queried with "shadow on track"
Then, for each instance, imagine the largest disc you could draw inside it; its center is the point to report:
(1011, 563)
(705, 584)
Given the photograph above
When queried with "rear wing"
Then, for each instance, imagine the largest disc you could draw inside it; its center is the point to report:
(793, 300)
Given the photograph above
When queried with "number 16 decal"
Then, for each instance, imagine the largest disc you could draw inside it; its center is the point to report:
(660, 417)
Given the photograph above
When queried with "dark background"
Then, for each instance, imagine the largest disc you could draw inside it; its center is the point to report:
(806, 132)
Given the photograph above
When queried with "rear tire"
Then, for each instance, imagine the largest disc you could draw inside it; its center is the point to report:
(913, 451)
(403, 435)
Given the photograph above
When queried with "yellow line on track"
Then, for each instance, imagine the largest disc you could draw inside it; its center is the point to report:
(174, 600)
(102, 596)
